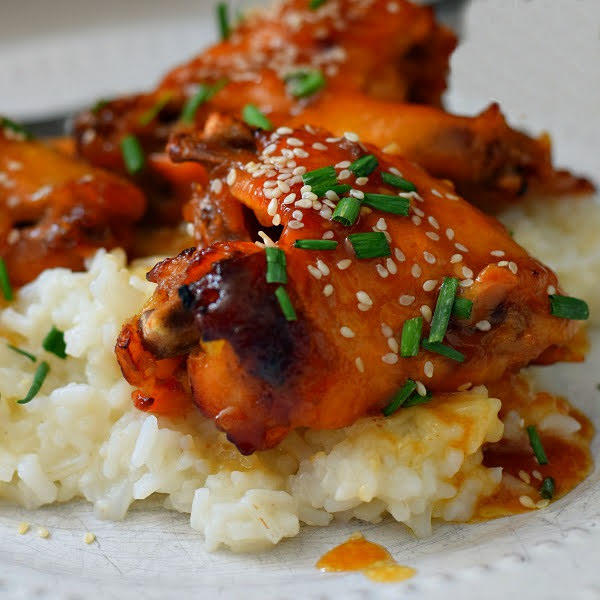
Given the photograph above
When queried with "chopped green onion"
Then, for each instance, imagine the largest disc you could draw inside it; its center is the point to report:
(536, 445)
(323, 180)
(370, 245)
(5, 286)
(133, 155)
(346, 211)
(99, 106)
(223, 20)
(416, 399)
(286, 304)
(462, 308)
(253, 117)
(443, 309)
(390, 204)
(444, 350)
(364, 166)
(54, 342)
(305, 83)
(276, 265)
(316, 244)
(314, 4)
(38, 379)
(148, 116)
(400, 398)
(15, 128)
(569, 308)
(22, 352)
(547, 488)
(204, 94)
(398, 182)
(411, 336)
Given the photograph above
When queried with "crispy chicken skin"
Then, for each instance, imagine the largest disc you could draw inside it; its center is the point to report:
(56, 211)
(214, 330)
(382, 69)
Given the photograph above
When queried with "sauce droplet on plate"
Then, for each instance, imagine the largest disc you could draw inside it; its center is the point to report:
(373, 560)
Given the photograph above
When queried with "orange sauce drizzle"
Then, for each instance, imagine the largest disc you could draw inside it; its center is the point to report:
(372, 560)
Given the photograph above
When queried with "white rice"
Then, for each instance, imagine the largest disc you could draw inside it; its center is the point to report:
(81, 436)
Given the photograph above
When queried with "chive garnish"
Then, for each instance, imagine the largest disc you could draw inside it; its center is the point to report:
(411, 336)
(316, 244)
(38, 379)
(443, 309)
(22, 352)
(314, 4)
(398, 182)
(16, 128)
(569, 308)
(400, 398)
(323, 180)
(255, 118)
(346, 211)
(133, 155)
(204, 94)
(390, 204)
(276, 265)
(148, 116)
(305, 83)
(536, 445)
(416, 400)
(340, 190)
(5, 286)
(370, 245)
(99, 106)
(462, 308)
(286, 304)
(54, 342)
(444, 350)
(547, 488)
(364, 166)
(223, 20)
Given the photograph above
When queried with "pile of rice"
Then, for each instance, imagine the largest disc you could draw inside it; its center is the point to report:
(81, 436)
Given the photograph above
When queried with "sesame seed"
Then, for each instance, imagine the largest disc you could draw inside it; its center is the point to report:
(417, 211)
(429, 285)
(216, 186)
(393, 345)
(524, 476)
(360, 195)
(450, 233)
(503, 263)
(303, 203)
(466, 283)
(416, 220)
(23, 527)
(231, 177)
(416, 271)
(332, 197)
(395, 171)
(319, 146)
(537, 475)
(364, 307)
(351, 136)
(328, 290)
(387, 330)
(347, 332)
(332, 140)
(426, 313)
(326, 212)
(276, 220)
(43, 532)
(289, 199)
(392, 7)
(360, 366)
(551, 290)
(543, 503)
(433, 236)
(314, 272)
(298, 214)
(323, 267)
(484, 325)
(498, 253)
(430, 258)
(391, 266)
(512, 267)
(428, 369)
(526, 501)
(327, 235)
(295, 225)
(343, 165)
(88, 538)
(362, 181)
(345, 174)
(464, 387)
(305, 189)
(272, 208)
(284, 131)
(421, 389)
(299, 171)
(436, 193)
(383, 273)
(467, 273)
(344, 264)
(270, 149)
(292, 141)
(363, 297)
(283, 186)
(390, 359)
(452, 196)
(399, 255)
(406, 300)
(461, 247)
(316, 205)
(433, 222)
(300, 153)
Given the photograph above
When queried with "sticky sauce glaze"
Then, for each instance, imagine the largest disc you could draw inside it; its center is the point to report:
(372, 560)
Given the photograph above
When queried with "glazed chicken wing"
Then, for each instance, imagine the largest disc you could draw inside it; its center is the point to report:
(263, 353)
(56, 211)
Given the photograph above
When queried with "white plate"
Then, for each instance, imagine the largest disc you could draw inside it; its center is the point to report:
(541, 62)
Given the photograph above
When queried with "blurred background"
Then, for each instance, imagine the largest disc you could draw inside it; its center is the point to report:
(539, 58)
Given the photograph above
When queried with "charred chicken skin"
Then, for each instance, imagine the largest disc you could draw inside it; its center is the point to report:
(218, 332)
(372, 70)
(56, 211)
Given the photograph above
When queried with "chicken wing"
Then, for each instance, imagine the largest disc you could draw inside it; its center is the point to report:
(219, 331)
(56, 211)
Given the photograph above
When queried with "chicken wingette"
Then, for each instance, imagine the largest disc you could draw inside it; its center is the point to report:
(55, 210)
(308, 329)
